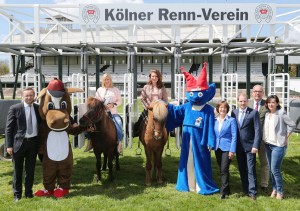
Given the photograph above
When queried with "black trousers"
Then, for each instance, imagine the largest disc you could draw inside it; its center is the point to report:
(223, 162)
(26, 154)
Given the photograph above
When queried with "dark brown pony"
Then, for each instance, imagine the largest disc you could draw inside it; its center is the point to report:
(104, 136)
(154, 137)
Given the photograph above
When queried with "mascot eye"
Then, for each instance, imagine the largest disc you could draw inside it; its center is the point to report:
(191, 94)
(63, 105)
(200, 94)
(50, 106)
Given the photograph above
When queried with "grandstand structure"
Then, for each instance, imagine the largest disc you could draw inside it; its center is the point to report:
(58, 40)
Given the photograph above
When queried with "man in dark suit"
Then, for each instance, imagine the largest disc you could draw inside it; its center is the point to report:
(21, 137)
(248, 141)
(258, 104)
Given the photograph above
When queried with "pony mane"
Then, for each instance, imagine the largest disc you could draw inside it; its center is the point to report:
(160, 110)
(93, 103)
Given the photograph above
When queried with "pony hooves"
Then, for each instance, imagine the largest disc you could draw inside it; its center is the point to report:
(160, 182)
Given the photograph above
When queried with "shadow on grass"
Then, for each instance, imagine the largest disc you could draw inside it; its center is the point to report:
(289, 170)
(128, 181)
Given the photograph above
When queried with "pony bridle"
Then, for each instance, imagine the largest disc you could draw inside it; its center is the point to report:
(157, 134)
(94, 119)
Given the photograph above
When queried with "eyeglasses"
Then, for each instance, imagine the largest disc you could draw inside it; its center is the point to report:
(257, 91)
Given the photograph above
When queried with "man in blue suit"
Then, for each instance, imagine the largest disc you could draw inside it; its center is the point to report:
(248, 141)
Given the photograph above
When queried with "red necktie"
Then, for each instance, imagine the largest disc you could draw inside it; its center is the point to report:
(256, 107)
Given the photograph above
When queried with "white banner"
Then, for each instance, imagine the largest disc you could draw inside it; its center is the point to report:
(153, 14)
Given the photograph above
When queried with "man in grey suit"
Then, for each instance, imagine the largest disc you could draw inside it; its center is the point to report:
(21, 137)
(248, 141)
(258, 104)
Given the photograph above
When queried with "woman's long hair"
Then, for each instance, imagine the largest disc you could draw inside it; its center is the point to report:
(160, 84)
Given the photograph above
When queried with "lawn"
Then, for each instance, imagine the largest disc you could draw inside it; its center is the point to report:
(128, 192)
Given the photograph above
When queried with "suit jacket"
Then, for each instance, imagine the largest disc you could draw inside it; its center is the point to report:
(283, 125)
(249, 133)
(226, 138)
(262, 110)
(16, 125)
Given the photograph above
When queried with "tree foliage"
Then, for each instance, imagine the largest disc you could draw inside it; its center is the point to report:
(4, 69)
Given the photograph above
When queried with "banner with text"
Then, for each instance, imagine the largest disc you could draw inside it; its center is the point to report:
(152, 14)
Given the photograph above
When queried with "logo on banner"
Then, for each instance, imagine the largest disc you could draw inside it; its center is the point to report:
(90, 13)
(263, 12)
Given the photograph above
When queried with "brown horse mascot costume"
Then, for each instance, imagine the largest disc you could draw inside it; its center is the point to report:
(55, 149)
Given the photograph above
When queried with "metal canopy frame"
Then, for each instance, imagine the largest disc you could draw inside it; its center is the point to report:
(39, 30)
(35, 25)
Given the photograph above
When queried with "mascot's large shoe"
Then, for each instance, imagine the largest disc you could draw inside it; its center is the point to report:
(44, 193)
(60, 193)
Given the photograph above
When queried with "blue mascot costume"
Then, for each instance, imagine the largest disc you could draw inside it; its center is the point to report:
(198, 138)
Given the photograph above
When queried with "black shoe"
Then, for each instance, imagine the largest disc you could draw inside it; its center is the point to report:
(29, 196)
(253, 197)
(17, 198)
(264, 189)
(222, 196)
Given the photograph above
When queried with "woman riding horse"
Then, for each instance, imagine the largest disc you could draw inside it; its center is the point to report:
(154, 137)
(104, 136)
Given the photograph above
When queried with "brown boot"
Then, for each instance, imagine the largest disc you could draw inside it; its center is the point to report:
(89, 146)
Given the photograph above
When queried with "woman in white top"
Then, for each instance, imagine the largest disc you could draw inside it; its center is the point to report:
(111, 97)
(277, 129)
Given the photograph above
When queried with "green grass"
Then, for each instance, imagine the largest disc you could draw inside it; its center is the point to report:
(128, 192)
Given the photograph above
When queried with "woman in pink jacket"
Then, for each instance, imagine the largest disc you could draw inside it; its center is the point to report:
(153, 90)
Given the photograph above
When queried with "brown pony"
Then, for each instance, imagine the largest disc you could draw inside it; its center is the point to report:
(104, 136)
(154, 137)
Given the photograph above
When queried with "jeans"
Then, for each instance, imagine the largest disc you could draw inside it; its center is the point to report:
(118, 122)
(275, 157)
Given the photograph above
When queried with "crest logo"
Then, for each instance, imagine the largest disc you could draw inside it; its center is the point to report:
(263, 12)
(90, 13)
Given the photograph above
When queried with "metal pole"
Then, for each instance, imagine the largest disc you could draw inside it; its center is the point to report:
(248, 78)
(210, 69)
(271, 61)
(175, 69)
(84, 67)
(60, 69)
(286, 63)
(224, 58)
(97, 71)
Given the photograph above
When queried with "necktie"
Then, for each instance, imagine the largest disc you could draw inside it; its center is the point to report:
(242, 118)
(256, 107)
(29, 122)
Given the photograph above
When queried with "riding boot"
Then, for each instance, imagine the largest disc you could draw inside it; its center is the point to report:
(120, 149)
(89, 146)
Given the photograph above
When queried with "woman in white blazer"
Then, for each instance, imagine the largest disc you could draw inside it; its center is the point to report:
(277, 129)
(226, 136)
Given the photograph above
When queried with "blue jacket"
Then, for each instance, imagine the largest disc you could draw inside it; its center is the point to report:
(226, 138)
